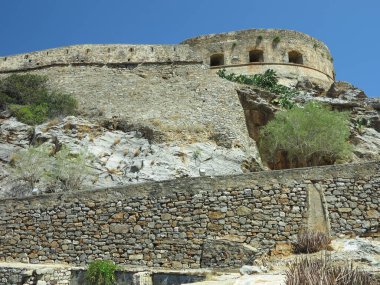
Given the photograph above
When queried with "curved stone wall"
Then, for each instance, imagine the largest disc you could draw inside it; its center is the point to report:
(277, 48)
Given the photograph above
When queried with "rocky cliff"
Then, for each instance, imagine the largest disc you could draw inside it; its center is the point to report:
(154, 122)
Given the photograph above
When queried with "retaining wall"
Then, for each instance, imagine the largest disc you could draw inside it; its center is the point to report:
(187, 223)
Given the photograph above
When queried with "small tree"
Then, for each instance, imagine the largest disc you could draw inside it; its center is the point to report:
(101, 272)
(306, 136)
(31, 165)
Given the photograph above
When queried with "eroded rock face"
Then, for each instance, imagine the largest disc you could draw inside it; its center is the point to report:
(346, 91)
(121, 157)
(258, 110)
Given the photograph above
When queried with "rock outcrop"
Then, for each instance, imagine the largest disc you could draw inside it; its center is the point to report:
(259, 108)
(120, 157)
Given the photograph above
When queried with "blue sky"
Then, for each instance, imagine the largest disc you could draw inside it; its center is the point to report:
(351, 29)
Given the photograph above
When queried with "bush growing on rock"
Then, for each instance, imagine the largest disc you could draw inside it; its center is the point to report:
(62, 171)
(31, 165)
(30, 101)
(70, 170)
(305, 136)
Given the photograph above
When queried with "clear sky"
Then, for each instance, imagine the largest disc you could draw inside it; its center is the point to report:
(350, 28)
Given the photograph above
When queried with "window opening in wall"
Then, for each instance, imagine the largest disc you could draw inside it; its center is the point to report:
(256, 56)
(130, 49)
(295, 57)
(67, 51)
(216, 59)
(87, 50)
(151, 49)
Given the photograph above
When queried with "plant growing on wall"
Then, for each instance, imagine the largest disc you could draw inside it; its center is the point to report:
(275, 41)
(267, 81)
(101, 272)
(308, 136)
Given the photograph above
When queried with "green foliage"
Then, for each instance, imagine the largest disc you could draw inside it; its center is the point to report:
(267, 81)
(360, 124)
(308, 136)
(275, 41)
(24, 89)
(29, 99)
(30, 114)
(101, 272)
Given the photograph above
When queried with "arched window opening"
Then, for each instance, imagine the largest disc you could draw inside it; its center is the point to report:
(217, 59)
(295, 57)
(256, 56)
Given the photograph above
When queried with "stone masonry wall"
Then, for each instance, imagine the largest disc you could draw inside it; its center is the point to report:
(275, 44)
(99, 55)
(25, 275)
(193, 222)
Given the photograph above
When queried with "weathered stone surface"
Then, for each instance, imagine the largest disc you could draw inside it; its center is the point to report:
(119, 228)
(120, 157)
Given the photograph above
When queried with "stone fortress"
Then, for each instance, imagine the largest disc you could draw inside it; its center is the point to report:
(291, 54)
(217, 221)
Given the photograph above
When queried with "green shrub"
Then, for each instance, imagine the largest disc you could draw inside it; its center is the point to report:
(29, 99)
(267, 81)
(23, 89)
(307, 136)
(101, 272)
(30, 114)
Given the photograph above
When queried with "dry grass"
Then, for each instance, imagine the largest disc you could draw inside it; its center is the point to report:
(322, 271)
(51, 124)
(309, 242)
(116, 141)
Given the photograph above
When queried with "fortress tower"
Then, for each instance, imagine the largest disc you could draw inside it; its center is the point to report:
(291, 54)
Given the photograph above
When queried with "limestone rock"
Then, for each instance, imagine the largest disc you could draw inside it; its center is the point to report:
(346, 91)
(250, 269)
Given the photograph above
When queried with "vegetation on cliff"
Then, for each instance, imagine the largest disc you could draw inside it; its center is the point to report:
(28, 98)
(267, 81)
(58, 170)
(306, 136)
